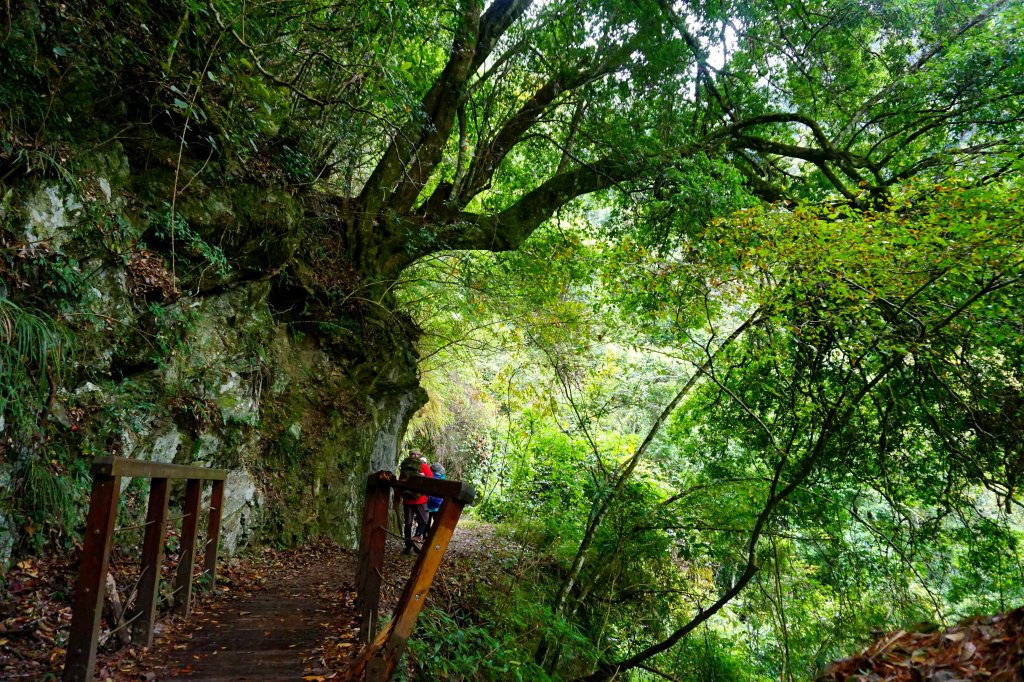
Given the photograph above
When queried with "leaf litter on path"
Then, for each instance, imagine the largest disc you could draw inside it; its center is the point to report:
(983, 648)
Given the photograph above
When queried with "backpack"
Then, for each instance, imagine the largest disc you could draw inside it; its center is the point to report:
(409, 467)
(434, 503)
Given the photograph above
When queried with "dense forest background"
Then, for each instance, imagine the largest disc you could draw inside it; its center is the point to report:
(718, 303)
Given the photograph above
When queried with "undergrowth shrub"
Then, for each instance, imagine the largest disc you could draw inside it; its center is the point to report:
(445, 649)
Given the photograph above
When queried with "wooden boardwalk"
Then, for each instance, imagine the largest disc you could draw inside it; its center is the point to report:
(269, 636)
(277, 632)
(300, 627)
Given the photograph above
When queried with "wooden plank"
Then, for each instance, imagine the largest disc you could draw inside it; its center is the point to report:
(383, 655)
(122, 466)
(187, 547)
(213, 534)
(92, 574)
(144, 611)
(438, 487)
(372, 539)
(376, 668)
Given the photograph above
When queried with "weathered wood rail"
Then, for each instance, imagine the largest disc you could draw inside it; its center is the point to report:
(97, 540)
(384, 649)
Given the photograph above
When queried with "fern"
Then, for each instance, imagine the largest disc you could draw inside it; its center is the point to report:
(33, 350)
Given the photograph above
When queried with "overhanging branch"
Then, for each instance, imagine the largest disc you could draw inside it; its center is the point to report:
(506, 230)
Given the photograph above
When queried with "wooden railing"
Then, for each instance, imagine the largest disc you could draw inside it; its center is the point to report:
(384, 649)
(99, 530)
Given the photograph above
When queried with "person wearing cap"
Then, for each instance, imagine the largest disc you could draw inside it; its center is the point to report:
(414, 505)
(434, 503)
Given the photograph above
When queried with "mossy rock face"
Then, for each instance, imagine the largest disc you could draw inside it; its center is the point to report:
(255, 228)
(258, 228)
(332, 431)
(181, 352)
(108, 163)
(214, 374)
(270, 228)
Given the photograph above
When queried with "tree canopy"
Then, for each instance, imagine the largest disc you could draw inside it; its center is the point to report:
(426, 127)
(718, 301)
(810, 381)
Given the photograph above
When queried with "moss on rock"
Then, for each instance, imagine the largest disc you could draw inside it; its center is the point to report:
(216, 372)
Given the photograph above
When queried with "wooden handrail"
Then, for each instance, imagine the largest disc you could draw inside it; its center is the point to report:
(438, 487)
(138, 468)
(383, 651)
(97, 539)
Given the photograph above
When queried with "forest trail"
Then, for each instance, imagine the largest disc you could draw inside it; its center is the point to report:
(283, 615)
(271, 633)
(268, 621)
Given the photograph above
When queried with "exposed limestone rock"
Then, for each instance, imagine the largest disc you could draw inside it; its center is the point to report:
(243, 504)
(50, 212)
(165, 447)
(391, 431)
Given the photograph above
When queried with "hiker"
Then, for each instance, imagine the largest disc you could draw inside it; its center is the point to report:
(415, 505)
(434, 503)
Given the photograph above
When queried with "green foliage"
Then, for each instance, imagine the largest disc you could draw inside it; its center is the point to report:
(454, 428)
(446, 649)
(33, 352)
(177, 232)
(48, 486)
(838, 374)
(50, 497)
(174, 328)
(910, 305)
(707, 656)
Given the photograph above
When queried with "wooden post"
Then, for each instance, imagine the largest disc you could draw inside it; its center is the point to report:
(372, 538)
(187, 551)
(92, 575)
(389, 645)
(144, 611)
(213, 533)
